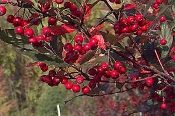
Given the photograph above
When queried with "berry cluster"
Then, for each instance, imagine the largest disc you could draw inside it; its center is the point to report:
(53, 79)
(73, 52)
(104, 72)
(132, 24)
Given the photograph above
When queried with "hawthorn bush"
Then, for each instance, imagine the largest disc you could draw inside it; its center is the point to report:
(129, 48)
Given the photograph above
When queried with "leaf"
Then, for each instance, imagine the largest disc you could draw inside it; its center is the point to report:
(9, 36)
(44, 58)
(167, 34)
(62, 29)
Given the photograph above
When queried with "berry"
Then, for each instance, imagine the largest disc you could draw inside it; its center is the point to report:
(134, 27)
(163, 41)
(43, 66)
(64, 80)
(163, 106)
(52, 73)
(17, 21)
(68, 47)
(10, 18)
(59, 1)
(56, 81)
(76, 88)
(92, 72)
(85, 90)
(149, 81)
(79, 79)
(162, 19)
(104, 65)
(78, 38)
(173, 57)
(144, 28)
(87, 47)
(28, 32)
(117, 65)
(130, 19)
(155, 5)
(114, 74)
(52, 21)
(78, 48)
(33, 40)
(46, 31)
(68, 85)
(2, 10)
(19, 30)
(24, 23)
(138, 17)
(159, 1)
(122, 70)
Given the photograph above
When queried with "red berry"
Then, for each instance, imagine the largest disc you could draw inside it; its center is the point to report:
(155, 5)
(122, 70)
(59, 1)
(173, 57)
(67, 4)
(73, 7)
(17, 21)
(24, 22)
(28, 32)
(19, 30)
(77, 13)
(68, 47)
(159, 1)
(162, 19)
(117, 65)
(33, 40)
(125, 30)
(134, 27)
(149, 81)
(130, 19)
(64, 80)
(10, 18)
(114, 74)
(43, 66)
(76, 88)
(79, 79)
(87, 47)
(52, 21)
(139, 32)
(46, 31)
(123, 21)
(56, 81)
(78, 48)
(52, 73)
(85, 90)
(104, 65)
(163, 42)
(144, 28)
(163, 106)
(138, 17)
(78, 38)
(92, 72)
(68, 85)
(2, 10)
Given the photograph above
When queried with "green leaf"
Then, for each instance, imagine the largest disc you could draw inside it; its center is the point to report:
(167, 34)
(44, 58)
(9, 36)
